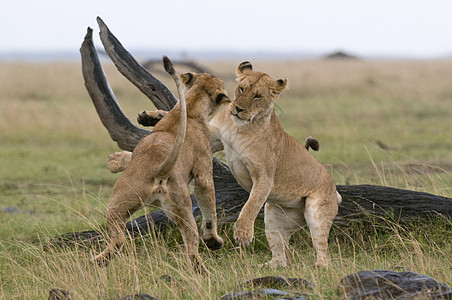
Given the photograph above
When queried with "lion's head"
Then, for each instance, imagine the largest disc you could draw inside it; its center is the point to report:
(255, 94)
(206, 84)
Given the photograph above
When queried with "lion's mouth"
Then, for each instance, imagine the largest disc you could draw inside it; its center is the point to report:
(237, 117)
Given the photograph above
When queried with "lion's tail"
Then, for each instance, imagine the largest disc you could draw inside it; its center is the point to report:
(313, 143)
(170, 161)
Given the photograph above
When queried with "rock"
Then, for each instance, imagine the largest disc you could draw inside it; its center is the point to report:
(59, 294)
(256, 294)
(275, 282)
(382, 284)
(138, 297)
(273, 288)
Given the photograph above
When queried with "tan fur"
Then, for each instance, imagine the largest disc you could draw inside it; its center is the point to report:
(276, 170)
(137, 187)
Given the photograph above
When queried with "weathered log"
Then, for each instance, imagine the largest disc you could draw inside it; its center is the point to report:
(121, 130)
(391, 202)
(358, 200)
(153, 88)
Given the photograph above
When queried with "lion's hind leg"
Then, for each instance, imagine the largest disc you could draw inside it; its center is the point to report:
(319, 214)
(280, 224)
(116, 225)
(119, 210)
(178, 207)
(126, 198)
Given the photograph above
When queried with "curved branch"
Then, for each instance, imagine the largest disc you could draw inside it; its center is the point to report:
(120, 128)
(156, 91)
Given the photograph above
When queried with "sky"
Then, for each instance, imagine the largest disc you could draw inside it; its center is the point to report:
(383, 28)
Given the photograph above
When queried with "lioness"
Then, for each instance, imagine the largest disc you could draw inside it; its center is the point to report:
(164, 162)
(277, 171)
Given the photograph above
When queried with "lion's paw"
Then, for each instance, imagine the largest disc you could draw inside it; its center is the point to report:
(214, 243)
(243, 233)
(323, 262)
(276, 263)
(150, 118)
(118, 161)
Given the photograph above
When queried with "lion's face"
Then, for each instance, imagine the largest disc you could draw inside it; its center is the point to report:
(255, 94)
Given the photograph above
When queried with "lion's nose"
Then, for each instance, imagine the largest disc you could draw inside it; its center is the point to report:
(239, 109)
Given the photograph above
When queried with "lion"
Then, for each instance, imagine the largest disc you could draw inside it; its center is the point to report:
(277, 171)
(164, 162)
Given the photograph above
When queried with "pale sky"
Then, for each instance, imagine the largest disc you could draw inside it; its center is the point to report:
(370, 28)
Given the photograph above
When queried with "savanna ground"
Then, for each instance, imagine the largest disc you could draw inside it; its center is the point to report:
(378, 122)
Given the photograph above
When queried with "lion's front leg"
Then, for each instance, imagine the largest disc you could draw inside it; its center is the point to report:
(244, 226)
(150, 117)
(215, 138)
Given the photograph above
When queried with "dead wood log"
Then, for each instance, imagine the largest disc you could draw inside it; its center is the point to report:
(359, 203)
(121, 130)
(358, 200)
(155, 90)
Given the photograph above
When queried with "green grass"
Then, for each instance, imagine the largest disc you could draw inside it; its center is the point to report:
(378, 122)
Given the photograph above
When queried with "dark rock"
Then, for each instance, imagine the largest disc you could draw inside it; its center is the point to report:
(59, 294)
(272, 288)
(138, 297)
(382, 284)
(275, 282)
(256, 294)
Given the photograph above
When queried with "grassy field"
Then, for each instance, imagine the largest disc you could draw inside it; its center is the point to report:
(378, 122)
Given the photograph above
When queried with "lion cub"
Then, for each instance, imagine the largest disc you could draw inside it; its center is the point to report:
(277, 171)
(164, 162)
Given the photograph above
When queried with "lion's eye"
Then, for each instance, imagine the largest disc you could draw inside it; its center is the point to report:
(257, 97)
(240, 89)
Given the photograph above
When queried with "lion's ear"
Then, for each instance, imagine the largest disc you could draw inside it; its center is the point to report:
(221, 98)
(244, 66)
(187, 78)
(281, 85)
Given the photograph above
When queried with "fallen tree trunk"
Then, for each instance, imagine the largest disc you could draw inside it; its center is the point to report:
(358, 203)
(357, 200)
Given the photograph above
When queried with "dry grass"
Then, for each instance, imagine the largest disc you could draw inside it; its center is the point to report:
(380, 122)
